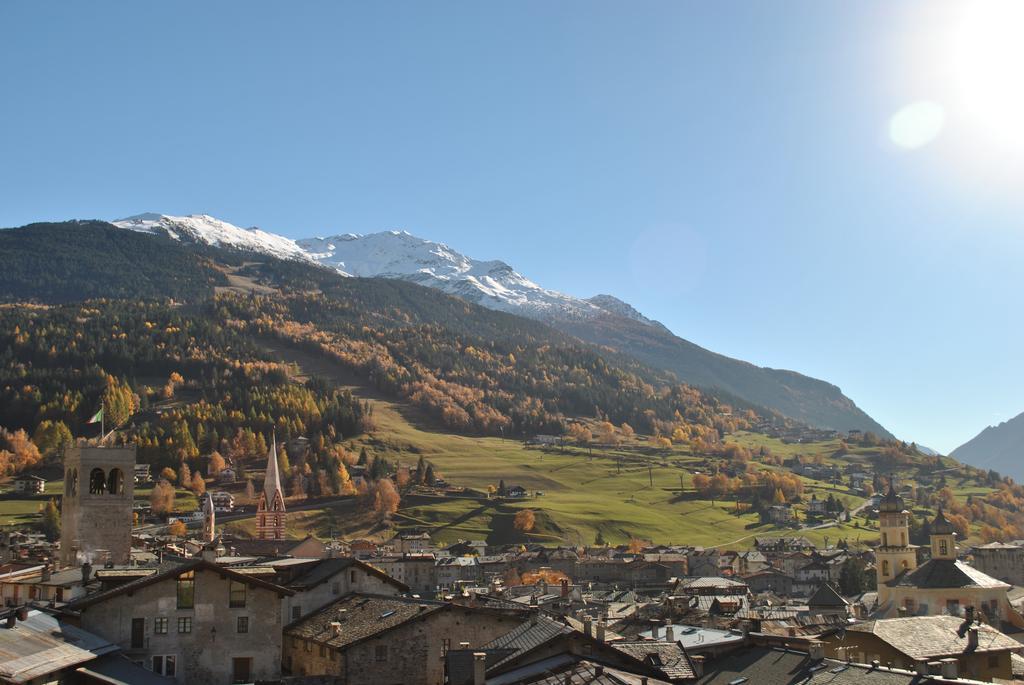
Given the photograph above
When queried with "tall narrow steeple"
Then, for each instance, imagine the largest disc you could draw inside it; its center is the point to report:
(209, 518)
(270, 512)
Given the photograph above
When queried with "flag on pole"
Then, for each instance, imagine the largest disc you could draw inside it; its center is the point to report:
(97, 417)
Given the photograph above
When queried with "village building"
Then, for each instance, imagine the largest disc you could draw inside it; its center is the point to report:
(970, 649)
(318, 582)
(198, 623)
(30, 485)
(943, 584)
(37, 648)
(1001, 560)
(369, 639)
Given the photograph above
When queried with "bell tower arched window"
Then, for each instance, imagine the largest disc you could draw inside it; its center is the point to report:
(97, 482)
(115, 482)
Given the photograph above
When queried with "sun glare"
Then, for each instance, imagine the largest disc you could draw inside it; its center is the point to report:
(916, 124)
(989, 66)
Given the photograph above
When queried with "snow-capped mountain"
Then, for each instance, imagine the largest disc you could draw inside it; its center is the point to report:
(395, 254)
(202, 228)
(493, 284)
(603, 319)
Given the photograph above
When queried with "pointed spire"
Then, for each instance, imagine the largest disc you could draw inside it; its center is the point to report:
(272, 481)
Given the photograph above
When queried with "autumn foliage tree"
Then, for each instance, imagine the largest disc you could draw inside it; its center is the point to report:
(161, 499)
(524, 520)
(385, 498)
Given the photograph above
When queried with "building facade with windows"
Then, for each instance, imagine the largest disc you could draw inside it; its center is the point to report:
(198, 623)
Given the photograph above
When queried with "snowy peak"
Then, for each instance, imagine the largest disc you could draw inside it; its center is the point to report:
(395, 254)
(202, 228)
(614, 305)
(398, 254)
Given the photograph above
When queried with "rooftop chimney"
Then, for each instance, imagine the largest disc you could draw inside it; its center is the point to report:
(949, 668)
(479, 668)
(335, 628)
(46, 574)
(670, 631)
(565, 587)
(972, 638)
(816, 650)
(463, 645)
(600, 630)
(655, 630)
(969, 613)
(588, 626)
(598, 670)
(86, 572)
(698, 665)
(902, 611)
(921, 667)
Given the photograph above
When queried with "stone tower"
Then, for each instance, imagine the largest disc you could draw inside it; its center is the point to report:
(209, 518)
(96, 511)
(894, 554)
(270, 513)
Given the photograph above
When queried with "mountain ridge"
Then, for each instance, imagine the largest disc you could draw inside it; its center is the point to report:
(998, 447)
(602, 319)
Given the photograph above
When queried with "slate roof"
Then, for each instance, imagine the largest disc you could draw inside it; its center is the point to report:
(42, 645)
(565, 670)
(827, 596)
(528, 636)
(667, 658)
(172, 572)
(326, 569)
(768, 666)
(945, 573)
(364, 616)
(709, 582)
(930, 637)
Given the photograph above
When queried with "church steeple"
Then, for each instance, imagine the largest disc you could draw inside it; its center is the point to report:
(270, 511)
(943, 537)
(209, 518)
(894, 554)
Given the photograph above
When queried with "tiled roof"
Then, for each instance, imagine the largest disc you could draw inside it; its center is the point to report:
(668, 658)
(945, 573)
(927, 637)
(361, 616)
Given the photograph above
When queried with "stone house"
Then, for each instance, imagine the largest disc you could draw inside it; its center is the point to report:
(770, 580)
(1003, 561)
(373, 640)
(980, 651)
(417, 571)
(324, 580)
(200, 623)
(454, 570)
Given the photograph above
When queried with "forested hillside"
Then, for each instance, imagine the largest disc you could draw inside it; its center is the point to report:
(80, 260)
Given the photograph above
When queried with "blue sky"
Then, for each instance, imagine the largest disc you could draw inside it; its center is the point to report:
(732, 169)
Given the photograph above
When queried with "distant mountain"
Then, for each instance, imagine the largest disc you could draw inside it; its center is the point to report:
(602, 319)
(1000, 448)
(201, 228)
